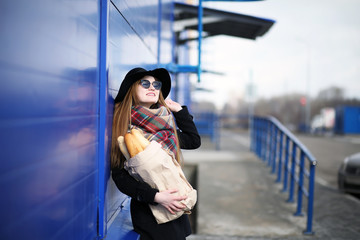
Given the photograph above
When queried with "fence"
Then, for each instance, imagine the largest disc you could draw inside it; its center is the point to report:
(208, 124)
(286, 156)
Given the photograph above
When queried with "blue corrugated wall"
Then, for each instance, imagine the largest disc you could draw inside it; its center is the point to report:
(50, 113)
(49, 117)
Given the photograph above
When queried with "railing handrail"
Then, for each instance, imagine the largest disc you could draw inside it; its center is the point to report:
(267, 142)
(293, 137)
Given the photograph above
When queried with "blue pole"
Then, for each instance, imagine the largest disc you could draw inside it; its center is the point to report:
(268, 141)
(300, 184)
(286, 163)
(252, 129)
(264, 139)
(308, 230)
(159, 32)
(200, 30)
(292, 173)
(259, 138)
(275, 144)
(271, 138)
(280, 163)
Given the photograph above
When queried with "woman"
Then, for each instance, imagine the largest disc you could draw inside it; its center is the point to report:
(140, 103)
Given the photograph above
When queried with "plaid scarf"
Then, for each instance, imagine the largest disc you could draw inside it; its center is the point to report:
(156, 124)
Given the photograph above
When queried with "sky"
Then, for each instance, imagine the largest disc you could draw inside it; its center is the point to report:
(312, 46)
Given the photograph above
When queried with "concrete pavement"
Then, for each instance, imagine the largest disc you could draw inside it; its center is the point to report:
(239, 199)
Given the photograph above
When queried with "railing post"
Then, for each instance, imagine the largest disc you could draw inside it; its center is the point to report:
(286, 163)
(261, 133)
(292, 173)
(252, 130)
(308, 230)
(300, 185)
(269, 144)
(270, 151)
(216, 129)
(280, 161)
(263, 139)
(275, 153)
(266, 139)
(258, 137)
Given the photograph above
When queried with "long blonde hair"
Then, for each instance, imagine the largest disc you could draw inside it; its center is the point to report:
(122, 122)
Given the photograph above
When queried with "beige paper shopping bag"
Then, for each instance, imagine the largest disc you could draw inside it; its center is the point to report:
(157, 168)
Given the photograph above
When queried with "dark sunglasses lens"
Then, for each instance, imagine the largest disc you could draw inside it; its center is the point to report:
(145, 83)
(157, 85)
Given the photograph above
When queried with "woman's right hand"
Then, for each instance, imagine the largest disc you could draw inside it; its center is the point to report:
(170, 201)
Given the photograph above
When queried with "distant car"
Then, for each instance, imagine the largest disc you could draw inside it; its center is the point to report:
(349, 174)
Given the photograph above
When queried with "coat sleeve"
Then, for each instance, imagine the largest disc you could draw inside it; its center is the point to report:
(128, 185)
(188, 134)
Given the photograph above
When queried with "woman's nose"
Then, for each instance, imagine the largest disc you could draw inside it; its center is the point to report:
(151, 87)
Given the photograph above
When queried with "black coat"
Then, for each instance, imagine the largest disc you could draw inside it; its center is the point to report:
(142, 194)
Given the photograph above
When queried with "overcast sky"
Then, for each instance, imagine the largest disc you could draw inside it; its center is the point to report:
(313, 45)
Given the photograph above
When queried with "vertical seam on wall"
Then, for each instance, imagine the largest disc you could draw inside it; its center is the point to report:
(102, 116)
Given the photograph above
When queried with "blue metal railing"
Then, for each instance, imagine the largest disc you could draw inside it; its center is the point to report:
(207, 124)
(286, 156)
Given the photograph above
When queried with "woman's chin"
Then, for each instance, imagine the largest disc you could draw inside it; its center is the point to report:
(148, 103)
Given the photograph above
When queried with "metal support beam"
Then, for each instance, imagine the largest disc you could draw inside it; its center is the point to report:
(174, 68)
(200, 30)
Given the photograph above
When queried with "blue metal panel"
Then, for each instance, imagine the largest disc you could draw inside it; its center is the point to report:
(347, 120)
(351, 119)
(49, 119)
(142, 17)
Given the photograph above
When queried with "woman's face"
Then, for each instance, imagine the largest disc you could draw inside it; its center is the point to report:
(149, 96)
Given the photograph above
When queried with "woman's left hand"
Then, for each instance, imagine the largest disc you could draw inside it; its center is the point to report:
(174, 106)
(170, 201)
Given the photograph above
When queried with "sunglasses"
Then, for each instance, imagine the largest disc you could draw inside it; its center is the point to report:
(146, 84)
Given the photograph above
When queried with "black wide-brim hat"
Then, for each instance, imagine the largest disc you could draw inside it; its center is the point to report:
(161, 74)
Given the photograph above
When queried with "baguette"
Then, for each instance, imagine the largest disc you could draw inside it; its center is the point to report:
(123, 147)
(140, 137)
(132, 144)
